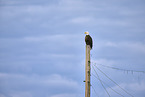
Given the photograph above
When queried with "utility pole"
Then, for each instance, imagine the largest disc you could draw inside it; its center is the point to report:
(87, 71)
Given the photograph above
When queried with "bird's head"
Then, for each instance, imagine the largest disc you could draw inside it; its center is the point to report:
(87, 33)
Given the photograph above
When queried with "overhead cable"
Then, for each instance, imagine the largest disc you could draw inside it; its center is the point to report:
(94, 90)
(109, 86)
(114, 82)
(101, 82)
(121, 69)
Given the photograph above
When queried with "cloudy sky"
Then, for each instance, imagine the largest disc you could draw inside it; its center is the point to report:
(42, 47)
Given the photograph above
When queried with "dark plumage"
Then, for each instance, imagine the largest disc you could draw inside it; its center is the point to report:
(89, 41)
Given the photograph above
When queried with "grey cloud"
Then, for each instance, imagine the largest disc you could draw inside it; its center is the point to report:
(52, 84)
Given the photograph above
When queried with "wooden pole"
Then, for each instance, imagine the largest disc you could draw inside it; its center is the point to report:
(87, 79)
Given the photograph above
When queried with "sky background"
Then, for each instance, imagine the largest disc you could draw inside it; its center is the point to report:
(42, 47)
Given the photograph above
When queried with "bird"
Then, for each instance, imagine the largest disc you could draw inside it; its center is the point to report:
(88, 39)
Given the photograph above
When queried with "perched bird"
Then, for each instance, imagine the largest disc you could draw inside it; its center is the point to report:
(88, 40)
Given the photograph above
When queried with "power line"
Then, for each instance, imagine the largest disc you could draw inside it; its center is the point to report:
(109, 86)
(101, 82)
(121, 69)
(113, 81)
(94, 90)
